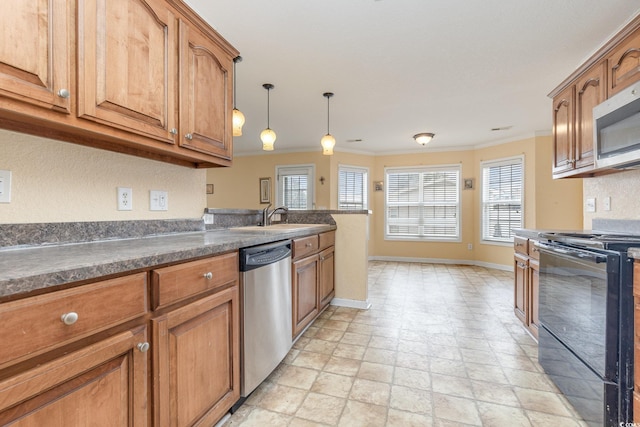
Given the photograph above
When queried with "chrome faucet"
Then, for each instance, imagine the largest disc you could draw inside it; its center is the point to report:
(266, 215)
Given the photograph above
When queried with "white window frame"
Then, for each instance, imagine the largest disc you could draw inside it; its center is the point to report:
(484, 203)
(458, 204)
(365, 179)
(305, 169)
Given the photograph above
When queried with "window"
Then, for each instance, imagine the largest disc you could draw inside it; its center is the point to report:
(295, 186)
(502, 188)
(423, 203)
(352, 188)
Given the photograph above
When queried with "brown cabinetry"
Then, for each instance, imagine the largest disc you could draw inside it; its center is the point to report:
(151, 78)
(615, 66)
(312, 277)
(526, 274)
(196, 347)
(35, 70)
(76, 356)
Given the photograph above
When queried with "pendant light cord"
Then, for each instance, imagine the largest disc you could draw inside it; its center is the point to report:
(328, 115)
(268, 105)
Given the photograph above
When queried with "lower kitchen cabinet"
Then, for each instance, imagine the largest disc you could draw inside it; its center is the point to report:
(305, 292)
(196, 354)
(526, 274)
(313, 278)
(104, 381)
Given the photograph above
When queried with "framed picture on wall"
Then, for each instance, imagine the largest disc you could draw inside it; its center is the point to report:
(265, 190)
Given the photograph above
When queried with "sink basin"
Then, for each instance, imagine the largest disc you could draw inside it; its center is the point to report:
(278, 227)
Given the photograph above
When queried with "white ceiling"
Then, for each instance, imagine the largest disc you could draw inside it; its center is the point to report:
(457, 68)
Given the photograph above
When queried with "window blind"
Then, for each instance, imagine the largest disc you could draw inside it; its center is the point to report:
(502, 189)
(423, 203)
(295, 187)
(352, 188)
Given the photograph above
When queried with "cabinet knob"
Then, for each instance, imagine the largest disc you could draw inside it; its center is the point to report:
(308, 245)
(173, 131)
(321, 258)
(69, 318)
(208, 275)
(188, 136)
(143, 347)
(64, 93)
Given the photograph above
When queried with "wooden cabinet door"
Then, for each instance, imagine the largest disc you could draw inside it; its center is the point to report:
(127, 66)
(205, 95)
(197, 361)
(590, 91)
(520, 287)
(102, 384)
(624, 64)
(563, 120)
(534, 275)
(304, 292)
(35, 50)
(326, 277)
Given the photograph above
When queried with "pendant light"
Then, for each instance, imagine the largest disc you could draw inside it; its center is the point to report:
(423, 138)
(238, 117)
(268, 136)
(327, 141)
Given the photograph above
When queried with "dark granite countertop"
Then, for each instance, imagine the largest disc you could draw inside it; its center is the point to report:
(28, 269)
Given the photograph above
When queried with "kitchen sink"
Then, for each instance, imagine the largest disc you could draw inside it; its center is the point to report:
(277, 227)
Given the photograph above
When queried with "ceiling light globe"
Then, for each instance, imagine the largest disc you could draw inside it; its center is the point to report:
(238, 122)
(328, 142)
(268, 137)
(423, 138)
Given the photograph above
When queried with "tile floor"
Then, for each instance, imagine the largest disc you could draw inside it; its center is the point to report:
(440, 346)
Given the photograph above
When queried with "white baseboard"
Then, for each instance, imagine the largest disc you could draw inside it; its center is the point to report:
(351, 303)
(442, 261)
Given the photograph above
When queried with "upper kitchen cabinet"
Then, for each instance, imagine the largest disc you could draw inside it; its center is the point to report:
(127, 66)
(624, 63)
(35, 54)
(613, 67)
(143, 77)
(205, 94)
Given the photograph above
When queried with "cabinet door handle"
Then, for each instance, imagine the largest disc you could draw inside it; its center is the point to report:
(173, 131)
(64, 93)
(208, 275)
(143, 347)
(188, 136)
(69, 318)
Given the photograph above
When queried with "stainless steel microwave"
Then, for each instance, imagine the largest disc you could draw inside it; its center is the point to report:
(616, 130)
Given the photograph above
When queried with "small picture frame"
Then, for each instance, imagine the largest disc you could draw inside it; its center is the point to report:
(468, 183)
(209, 188)
(265, 190)
(378, 185)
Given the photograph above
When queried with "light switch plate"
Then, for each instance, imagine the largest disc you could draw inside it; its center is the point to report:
(158, 200)
(5, 186)
(590, 204)
(606, 203)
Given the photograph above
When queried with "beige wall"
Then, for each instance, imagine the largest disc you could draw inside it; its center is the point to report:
(56, 181)
(622, 187)
(548, 203)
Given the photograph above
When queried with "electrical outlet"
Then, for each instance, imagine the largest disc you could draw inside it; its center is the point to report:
(208, 218)
(469, 246)
(125, 199)
(5, 186)
(158, 200)
(590, 204)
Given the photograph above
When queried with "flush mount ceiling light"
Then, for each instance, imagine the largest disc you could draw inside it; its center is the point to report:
(238, 117)
(423, 138)
(268, 136)
(328, 141)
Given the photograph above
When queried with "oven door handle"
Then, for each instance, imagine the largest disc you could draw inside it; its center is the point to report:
(574, 253)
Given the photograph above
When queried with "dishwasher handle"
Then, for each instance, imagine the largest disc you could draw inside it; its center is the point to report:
(260, 256)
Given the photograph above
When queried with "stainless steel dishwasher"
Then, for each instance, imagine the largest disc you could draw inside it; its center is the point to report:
(266, 311)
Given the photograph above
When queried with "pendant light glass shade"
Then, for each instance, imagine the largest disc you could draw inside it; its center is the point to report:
(237, 119)
(328, 141)
(268, 136)
(423, 138)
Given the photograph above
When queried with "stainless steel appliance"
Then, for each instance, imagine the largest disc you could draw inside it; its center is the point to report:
(266, 311)
(586, 322)
(616, 130)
